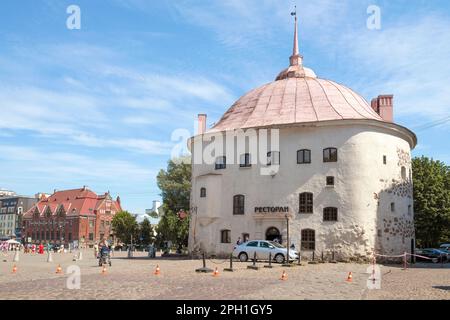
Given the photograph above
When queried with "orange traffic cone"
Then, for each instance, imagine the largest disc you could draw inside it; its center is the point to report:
(216, 273)
(59, 269)
(350, 277)
(283, 276)
(14, 270)
(157, 270)
(104, 270)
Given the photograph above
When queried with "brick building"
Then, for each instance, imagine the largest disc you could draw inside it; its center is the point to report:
(71, 216)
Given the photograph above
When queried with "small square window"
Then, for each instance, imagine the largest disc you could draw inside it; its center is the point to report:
(330, 181)
(203, 193)
(392, 206)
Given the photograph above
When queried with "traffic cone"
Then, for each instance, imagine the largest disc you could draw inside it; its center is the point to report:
(283, 276)
(104, 270)
(157, 270)
(14, 270)
(350, 277)
(59, 269)
(216, 273)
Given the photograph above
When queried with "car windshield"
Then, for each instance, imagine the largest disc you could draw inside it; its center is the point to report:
(276, 244)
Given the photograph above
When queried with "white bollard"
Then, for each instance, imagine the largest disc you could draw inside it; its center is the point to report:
(16, 256)
(49, 257)
(80, 255)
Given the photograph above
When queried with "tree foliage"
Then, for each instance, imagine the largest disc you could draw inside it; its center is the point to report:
(175, 185)
(431, 201)
(146, 232)
(125, 225)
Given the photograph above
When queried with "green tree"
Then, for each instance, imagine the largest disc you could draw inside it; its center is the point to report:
(175, 185)
(125, 225)
(146, 232)
(431, 201)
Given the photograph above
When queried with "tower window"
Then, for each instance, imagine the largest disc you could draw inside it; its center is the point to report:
(330, 181)
(225, 236)
(221, 163)
(403, 173)
(384, 159)
(238, 204)
(202, 192)
(330, 214)
(303, 156)
(392, 206)
(306, 202)
(330, 155)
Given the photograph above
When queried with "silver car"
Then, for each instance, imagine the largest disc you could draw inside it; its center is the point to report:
(263, 249)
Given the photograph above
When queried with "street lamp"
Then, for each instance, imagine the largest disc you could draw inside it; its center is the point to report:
(287, 264)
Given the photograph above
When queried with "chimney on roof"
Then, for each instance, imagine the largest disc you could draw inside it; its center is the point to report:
(201, 123)
(54, 190)
(118, 200)
(384, 106)
(84, 188)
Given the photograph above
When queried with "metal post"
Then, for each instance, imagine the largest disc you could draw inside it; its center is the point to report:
(322, 257)
(313, 256)
(270, 261)
(253, 266)
(204, 269)
(287, 262)
(230, 269)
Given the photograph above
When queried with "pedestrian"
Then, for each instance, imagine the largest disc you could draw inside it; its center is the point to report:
(239, 241)
(41, 248)
(95, 251)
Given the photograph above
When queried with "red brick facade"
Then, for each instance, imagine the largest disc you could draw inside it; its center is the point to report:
(70, 216)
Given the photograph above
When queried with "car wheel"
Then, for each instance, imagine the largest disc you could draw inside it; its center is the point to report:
(243, 257)
(435, 260)
(279, 258)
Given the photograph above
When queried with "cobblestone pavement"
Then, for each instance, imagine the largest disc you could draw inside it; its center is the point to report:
(134, 279)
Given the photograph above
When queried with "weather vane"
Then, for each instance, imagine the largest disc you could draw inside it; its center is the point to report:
(294, 13)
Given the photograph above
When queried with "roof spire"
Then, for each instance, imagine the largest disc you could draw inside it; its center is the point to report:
(296, 58)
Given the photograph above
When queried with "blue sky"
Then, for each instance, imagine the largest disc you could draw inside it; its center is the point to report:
(98, 106)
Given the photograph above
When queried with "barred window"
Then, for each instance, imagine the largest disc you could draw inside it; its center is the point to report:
(306, 202)
(330, 155)
(238, 204)
(330, 214)
(303, 156)
(308, 239)
(225, 236)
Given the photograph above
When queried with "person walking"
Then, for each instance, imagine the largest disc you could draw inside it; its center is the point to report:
(239, 241)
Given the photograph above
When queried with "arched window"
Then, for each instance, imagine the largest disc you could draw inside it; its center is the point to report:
(330, 155)
(403, 173)
(202, 192)
(225, 236)
(308, 239)
(238, 204)
(330, 214)
(221, 162)
(306, 202)
(303, 156)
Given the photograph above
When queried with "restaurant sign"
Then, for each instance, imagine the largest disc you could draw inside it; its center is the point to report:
(271, 209)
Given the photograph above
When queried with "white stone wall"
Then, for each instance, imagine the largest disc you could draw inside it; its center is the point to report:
(363, 192)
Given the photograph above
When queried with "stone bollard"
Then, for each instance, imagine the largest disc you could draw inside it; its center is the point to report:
(16, 256)
(49, 257)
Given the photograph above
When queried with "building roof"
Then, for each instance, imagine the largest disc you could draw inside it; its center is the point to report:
(73, 202)
(296, 96)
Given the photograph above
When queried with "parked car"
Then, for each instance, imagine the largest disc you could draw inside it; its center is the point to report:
(445, 247)
(263, 248)
(434, 254)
